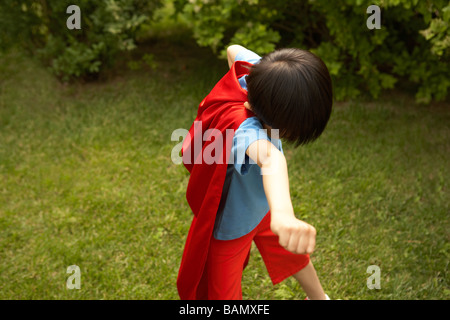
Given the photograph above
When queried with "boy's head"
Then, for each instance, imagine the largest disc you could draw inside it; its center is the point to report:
(290, 90)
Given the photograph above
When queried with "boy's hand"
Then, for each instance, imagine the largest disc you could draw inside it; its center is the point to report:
(294, 235)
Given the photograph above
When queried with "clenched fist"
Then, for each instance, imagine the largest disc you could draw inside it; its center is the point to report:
(295, 235)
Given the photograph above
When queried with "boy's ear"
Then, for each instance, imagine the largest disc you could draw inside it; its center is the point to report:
(247, 105)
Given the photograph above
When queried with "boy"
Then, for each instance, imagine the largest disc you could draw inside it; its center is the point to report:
(245, 197)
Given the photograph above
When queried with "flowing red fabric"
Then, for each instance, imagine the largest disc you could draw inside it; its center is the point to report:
(223, 110)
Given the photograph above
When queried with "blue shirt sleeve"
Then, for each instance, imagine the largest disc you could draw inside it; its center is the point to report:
(248, 132)
(248, 56)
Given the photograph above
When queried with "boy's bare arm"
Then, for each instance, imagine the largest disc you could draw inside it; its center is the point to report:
(295, 235)
(232, 51)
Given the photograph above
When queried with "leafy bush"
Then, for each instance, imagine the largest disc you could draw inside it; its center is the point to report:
(108, 27)
(412, 44)
(412, 48)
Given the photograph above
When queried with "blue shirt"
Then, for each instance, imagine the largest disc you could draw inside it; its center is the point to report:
(243, 204)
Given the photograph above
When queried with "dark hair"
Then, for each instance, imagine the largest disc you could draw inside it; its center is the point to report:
(290, 90)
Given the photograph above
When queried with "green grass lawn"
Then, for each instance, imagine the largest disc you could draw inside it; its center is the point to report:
(86, 179)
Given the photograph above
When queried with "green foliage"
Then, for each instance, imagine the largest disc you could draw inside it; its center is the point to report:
(412, 44)
(108, 27)
(411, 50)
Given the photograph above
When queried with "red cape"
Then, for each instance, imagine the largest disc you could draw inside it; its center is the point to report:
(222, 109)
